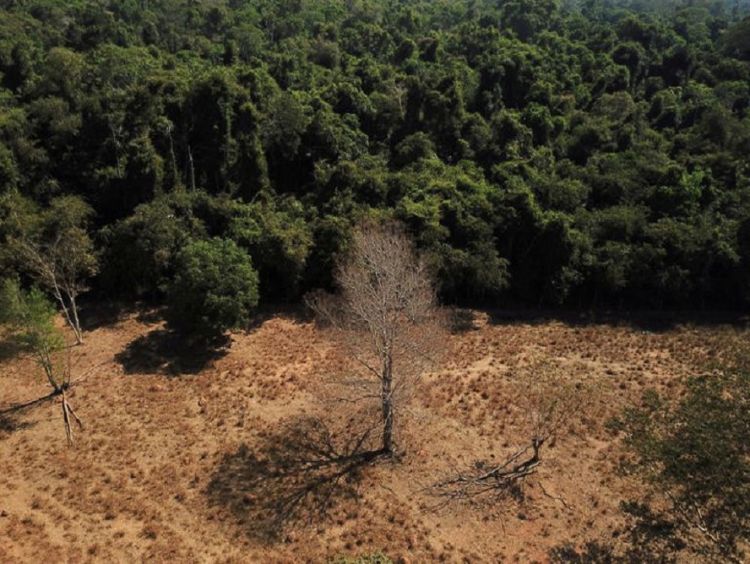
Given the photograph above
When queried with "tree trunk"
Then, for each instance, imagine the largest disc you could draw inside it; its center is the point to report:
(76, 321)
(66, 311)
(43, 357)
(386, 395)
(191, 169)
(116, 146)
(175, 172)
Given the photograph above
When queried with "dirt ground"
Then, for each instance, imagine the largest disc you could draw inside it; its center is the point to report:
(173, 462)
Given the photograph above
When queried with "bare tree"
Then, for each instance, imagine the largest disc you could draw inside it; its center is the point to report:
(62, 256)
(386, 319)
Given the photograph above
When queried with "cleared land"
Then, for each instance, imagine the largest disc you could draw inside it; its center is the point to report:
(174, 461)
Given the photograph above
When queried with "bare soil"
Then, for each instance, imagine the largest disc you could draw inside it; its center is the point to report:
(173, 463)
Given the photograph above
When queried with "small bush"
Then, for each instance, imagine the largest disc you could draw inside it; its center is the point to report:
(374, 558)
(215, 288)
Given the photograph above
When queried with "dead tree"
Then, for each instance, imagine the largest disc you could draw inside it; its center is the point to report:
(482, 479)
(386, 319)
(548, 403)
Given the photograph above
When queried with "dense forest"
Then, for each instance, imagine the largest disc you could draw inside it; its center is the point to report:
(540, 152)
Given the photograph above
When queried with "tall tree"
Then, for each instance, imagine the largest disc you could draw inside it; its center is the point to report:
(60, 255)
(385, 317)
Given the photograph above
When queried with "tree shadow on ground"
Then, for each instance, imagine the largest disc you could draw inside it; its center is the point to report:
(461, 320)
(18, 408)
(10, 417)
(10, 423)
(297, 474)
(650, 321)
(165, 351)
(647, 536)
(9, 349)
(95, 314)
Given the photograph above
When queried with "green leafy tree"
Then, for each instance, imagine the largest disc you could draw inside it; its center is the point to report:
(31, 319)
(737, 40)
(279, 240)
(214, 288)
(139, 251)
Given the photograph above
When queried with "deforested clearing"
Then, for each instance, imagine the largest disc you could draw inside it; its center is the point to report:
(179, 458)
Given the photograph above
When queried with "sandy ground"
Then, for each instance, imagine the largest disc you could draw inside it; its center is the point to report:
(173, 462)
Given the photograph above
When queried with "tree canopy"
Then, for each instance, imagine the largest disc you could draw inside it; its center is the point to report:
(544, 152)
(214, 288)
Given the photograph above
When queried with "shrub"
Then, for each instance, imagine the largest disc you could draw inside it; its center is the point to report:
(215, 288)
(30, 317)
(374, 558)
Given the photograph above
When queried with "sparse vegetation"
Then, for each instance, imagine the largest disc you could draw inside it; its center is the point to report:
(30, 317)
(374, 558)
(215, 446)
(551, 405)
(58, 252)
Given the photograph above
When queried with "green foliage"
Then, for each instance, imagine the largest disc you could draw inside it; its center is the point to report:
(54, 247)
(30, 314)
(699, 452)
(452, 210)
(509, 136)
(737, 40)
(17, 214)
(30, 317)
(140, 250)
(64, 239)
(279, 240)
(214, 288)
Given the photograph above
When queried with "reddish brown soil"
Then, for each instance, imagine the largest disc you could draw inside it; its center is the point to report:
(157, 473)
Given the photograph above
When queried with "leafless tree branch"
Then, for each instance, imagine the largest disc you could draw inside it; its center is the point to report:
(385, 318)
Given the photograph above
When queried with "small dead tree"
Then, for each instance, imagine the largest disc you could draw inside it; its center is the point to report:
(548, 403)
(386, 319)
(61, 257)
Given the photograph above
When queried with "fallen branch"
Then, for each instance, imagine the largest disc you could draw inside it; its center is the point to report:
(556, 498)
(696, 520)
(471, 485)
(29, 404)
